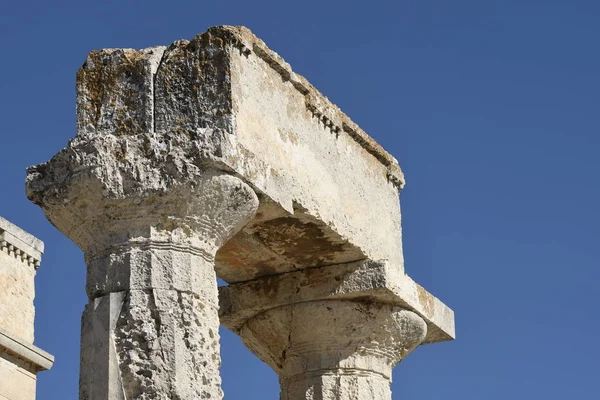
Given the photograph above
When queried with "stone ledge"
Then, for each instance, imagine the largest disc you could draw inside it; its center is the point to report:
(20, 244)
(35, 358)
(369, 280)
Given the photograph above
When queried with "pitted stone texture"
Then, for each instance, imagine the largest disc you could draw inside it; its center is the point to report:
(157, 344)
(317, 348)
(98, 198)
(213, 151)
(150, 120)
(151, 328)
(341, 384)
(193, 86)
(150, 219)
(115, 91)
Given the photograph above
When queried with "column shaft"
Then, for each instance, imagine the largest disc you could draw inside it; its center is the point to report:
(336, 384)
(151, 329)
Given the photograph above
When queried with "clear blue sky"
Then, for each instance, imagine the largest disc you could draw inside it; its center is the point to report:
(492, 109)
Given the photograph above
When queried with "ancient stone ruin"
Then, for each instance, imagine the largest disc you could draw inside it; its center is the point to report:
(20, 360)
(212, 158)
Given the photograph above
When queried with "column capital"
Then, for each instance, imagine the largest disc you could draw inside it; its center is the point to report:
(367, 280)
(150, 213)
(104, 190)
(334, 335)
(335, 331)
(20, 243)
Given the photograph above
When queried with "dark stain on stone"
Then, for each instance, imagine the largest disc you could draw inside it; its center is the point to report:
(117, 80)
(426, 300)
(303, 242)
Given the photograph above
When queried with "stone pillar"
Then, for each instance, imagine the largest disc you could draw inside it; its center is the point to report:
(149, 203)
(335, 332)
(327, 350)
(174, 144)
(150, 329)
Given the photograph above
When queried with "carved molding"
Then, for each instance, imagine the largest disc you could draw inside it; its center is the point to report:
(19, 244)
(320, 106)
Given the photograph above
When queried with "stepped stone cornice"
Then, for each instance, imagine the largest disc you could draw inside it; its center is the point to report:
(20, 244)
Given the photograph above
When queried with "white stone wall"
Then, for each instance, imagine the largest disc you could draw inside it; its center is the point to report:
(319, 167)
(20, 360)
(16, 383)
(17, 292)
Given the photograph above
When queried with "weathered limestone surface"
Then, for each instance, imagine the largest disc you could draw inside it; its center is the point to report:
(150, 210)
(20, 360)
(211, 157)
(369, 281)
(329, 193)
(326, 350)
(150, 330)
(20, 255)
(335, 332)
(341, 186)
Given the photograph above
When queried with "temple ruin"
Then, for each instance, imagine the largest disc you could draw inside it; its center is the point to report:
(211, 158)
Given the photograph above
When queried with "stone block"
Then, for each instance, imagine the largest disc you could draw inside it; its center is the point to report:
(213, 156)
(330, 193)
(115, 91)
(150, 120)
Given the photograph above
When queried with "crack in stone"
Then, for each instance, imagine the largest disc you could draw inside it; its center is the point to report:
(153, 88)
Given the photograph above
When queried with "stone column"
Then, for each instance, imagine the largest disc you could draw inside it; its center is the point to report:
(327, 350)
(150, 329)
(149, 203)
(335, 332)
(172, 144)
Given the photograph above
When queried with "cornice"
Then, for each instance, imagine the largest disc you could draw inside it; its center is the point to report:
(19, 244)
(32, 358)
(320, 107)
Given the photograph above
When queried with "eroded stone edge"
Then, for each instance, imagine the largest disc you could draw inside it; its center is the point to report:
(20, 244)
(363, 280)
(38, 358)
(320, 106)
